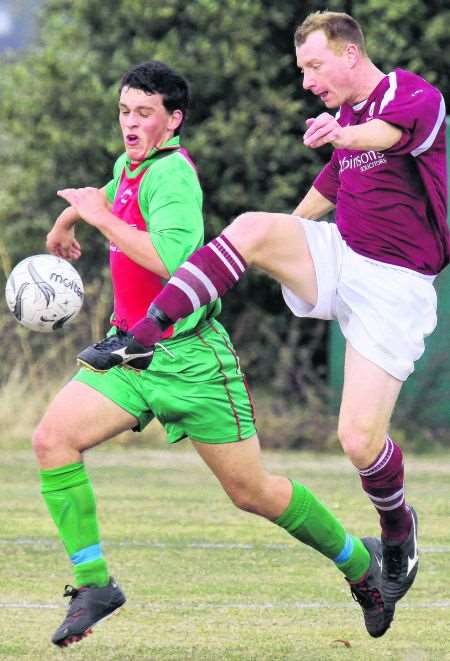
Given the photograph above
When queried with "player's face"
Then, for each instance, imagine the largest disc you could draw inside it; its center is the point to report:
(145, 122)
(326, 73)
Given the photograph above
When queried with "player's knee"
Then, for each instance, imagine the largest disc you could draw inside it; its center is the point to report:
(40, 442)
(45, 440)
(249, 232)
(244, 498)
(358, 442)
(248, 222)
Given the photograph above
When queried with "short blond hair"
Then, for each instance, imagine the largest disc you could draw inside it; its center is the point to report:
(339, 28)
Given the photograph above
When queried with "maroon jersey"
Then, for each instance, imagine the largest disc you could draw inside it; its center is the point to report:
(392, 205)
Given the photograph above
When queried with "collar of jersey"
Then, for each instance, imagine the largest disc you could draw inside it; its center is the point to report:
(359, 107)
(168, 146)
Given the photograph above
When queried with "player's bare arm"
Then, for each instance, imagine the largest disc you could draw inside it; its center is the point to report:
(325, 129)
(61, 239)
(92, 207)
(313, 206)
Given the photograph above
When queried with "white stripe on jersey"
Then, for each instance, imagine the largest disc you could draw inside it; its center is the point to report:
(426, 144)
(231, 252)
(186, 289)
(212, 291)
(360, 105)
(390, 92)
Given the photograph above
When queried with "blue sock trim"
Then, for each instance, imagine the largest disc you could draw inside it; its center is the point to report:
(346, 552)
(87, 554)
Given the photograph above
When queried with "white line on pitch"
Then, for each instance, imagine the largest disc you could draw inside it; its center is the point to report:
(50, 543)
(236, 606)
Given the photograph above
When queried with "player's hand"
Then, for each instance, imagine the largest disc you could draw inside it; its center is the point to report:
(61, 242)
(89, 203)
(322, 130)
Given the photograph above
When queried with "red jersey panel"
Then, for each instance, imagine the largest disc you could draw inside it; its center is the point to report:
(134, 286)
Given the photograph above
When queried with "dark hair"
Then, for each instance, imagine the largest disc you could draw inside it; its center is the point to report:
(339, 28)
(155, 77)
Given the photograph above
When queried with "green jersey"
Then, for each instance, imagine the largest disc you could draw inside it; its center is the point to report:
(161, 195)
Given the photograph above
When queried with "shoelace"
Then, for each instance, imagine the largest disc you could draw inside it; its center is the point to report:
(75, 610)
(365, 596)
(161, 346)
(108, 342)
(70, 591)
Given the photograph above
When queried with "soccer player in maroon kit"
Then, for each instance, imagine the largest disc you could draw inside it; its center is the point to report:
(372, 270)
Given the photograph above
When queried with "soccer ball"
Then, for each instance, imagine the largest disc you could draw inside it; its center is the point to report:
(44, 293)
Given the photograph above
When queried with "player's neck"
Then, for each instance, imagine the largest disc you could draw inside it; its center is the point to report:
(366, 80)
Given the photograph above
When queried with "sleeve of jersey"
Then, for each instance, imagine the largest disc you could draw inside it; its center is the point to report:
(173, 211)
(419, 111)
(327, 181)
(111, 186)
(110, 190)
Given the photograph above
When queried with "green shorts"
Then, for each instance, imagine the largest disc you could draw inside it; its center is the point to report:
(199, 391)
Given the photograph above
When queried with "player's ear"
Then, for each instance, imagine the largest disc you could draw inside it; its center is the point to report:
(353, 54)
(175, 120)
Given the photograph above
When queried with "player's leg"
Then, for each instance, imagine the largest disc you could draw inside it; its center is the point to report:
(199, 391)
(293, 507)
(368, 399)
(78, 418)
(206, 399)
(275, 243)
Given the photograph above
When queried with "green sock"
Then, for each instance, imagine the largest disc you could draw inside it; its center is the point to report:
(71, 502)
(309, 521)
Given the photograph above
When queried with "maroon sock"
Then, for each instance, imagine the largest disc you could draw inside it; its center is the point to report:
(148, 331)
(209, 273)
(383, 481)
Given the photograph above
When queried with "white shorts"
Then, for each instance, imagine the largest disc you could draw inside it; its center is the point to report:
(384, 311)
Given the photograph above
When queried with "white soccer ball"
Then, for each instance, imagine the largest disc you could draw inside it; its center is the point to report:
(44, 293)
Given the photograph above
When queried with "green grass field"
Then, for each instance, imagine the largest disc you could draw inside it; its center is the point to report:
(207, 582)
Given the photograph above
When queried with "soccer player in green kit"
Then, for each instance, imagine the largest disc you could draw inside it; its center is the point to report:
(151, 214)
